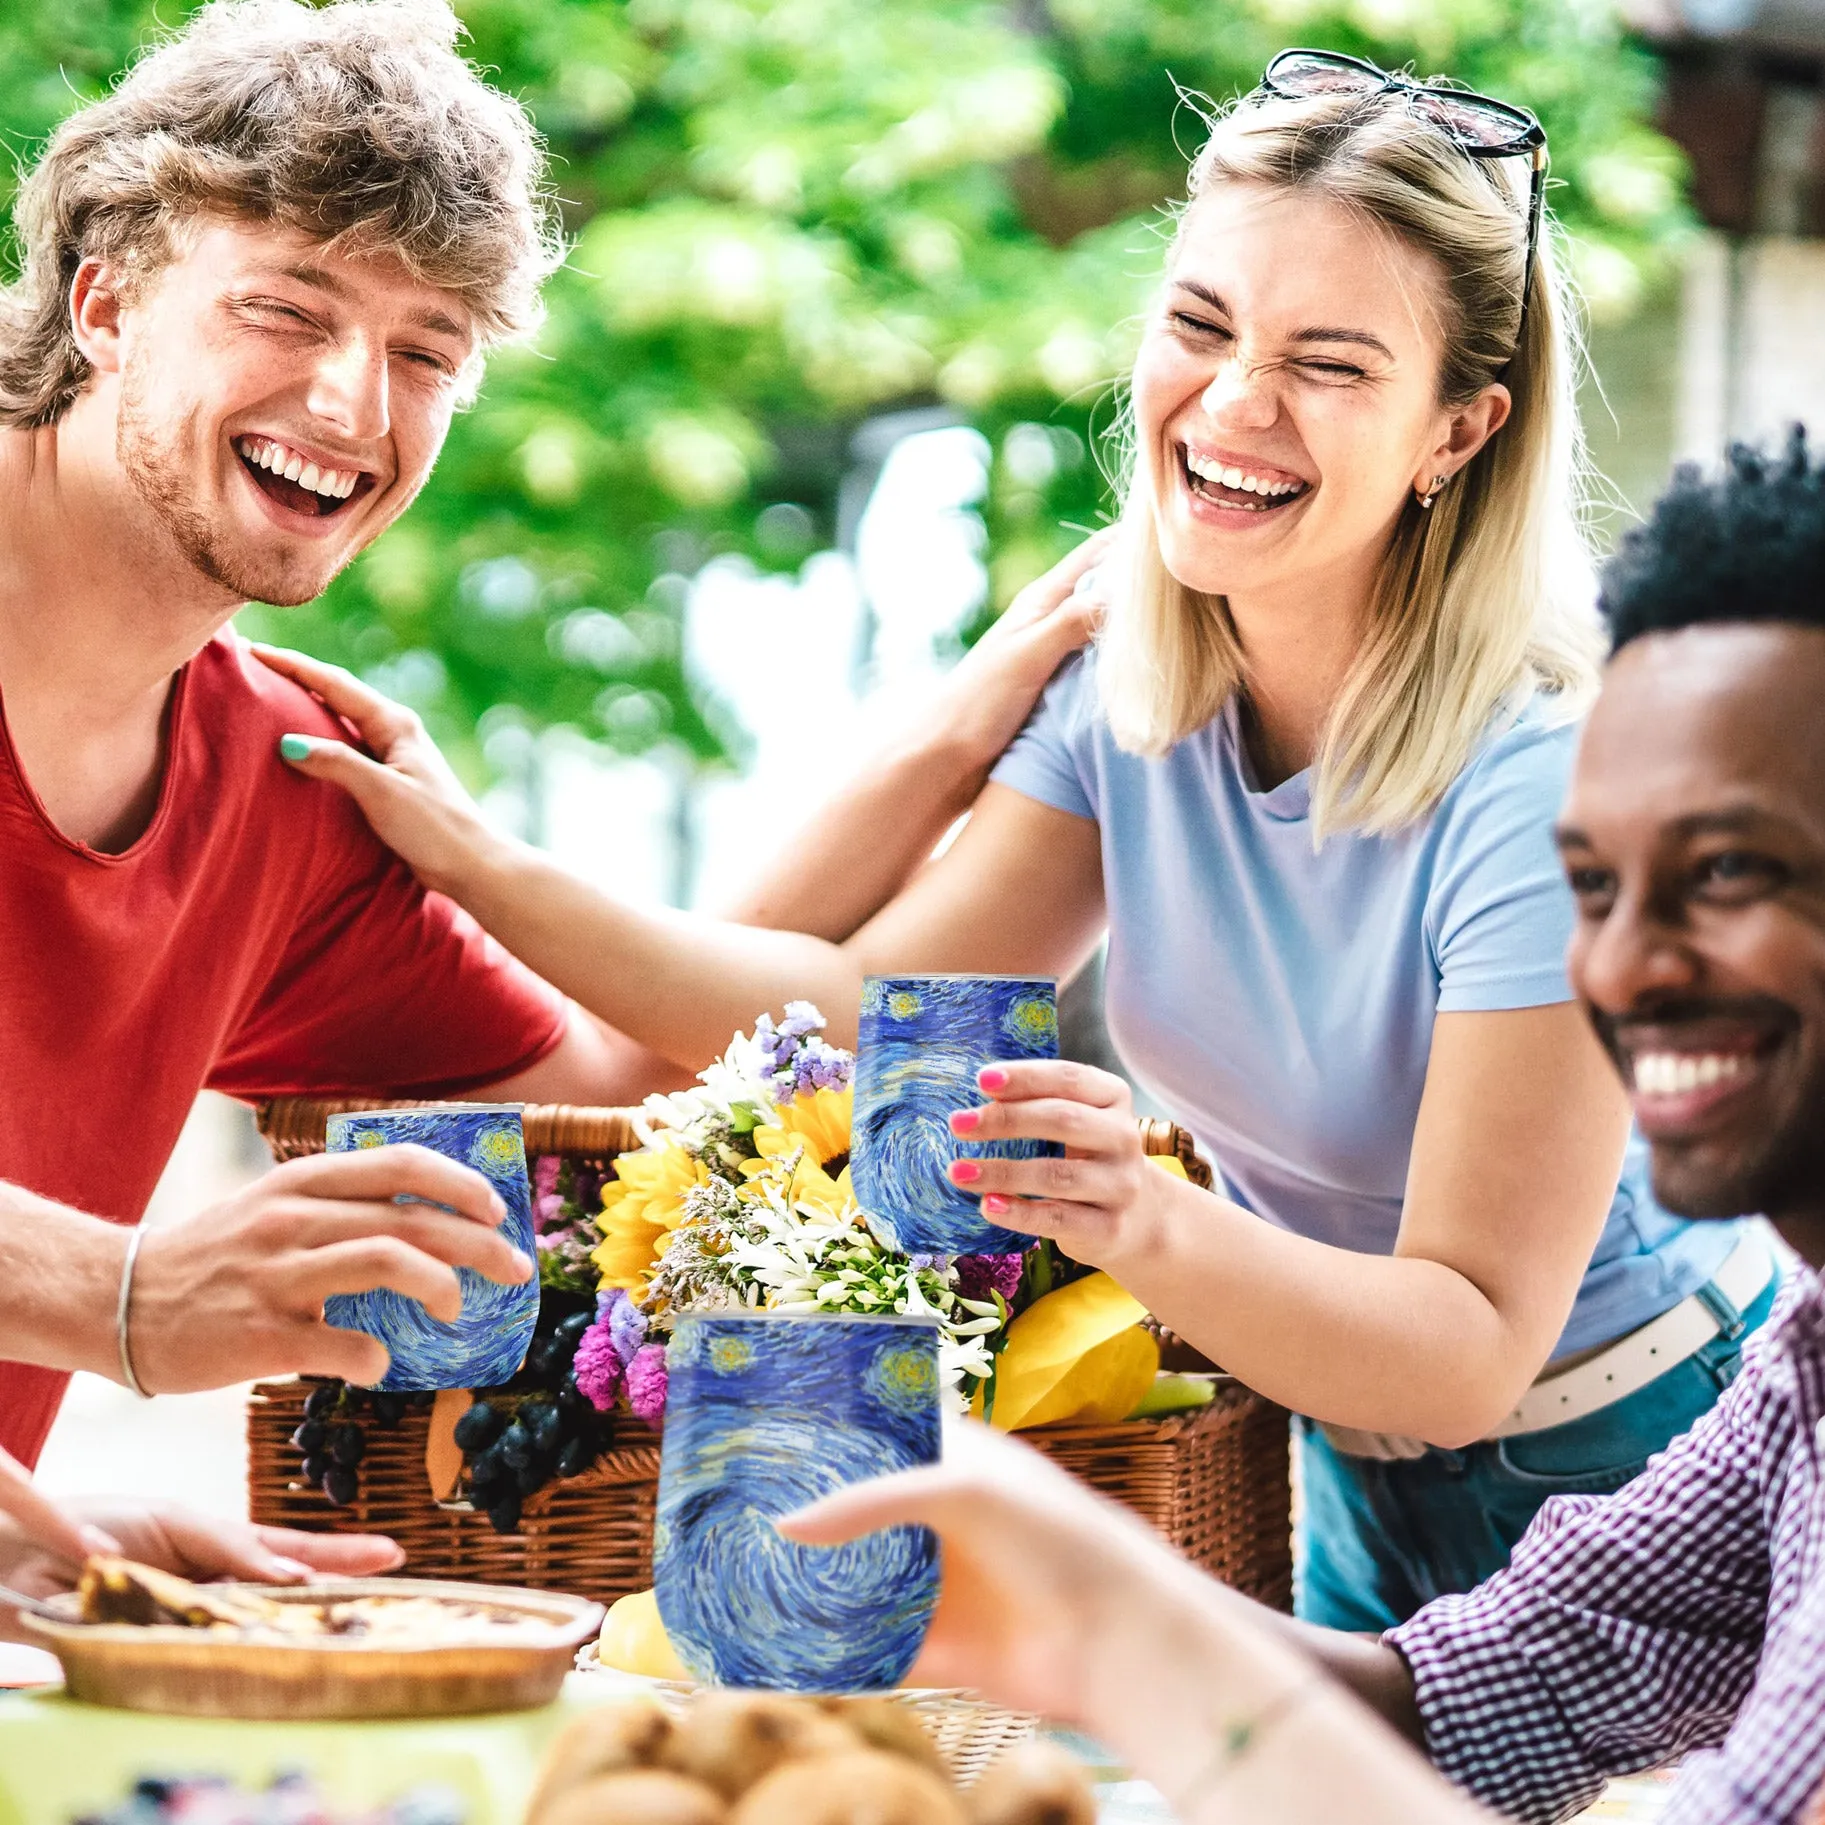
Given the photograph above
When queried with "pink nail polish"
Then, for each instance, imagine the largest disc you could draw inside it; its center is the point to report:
(996, 1205)
(992, 1077)
(966, 1121)
(965, 1172)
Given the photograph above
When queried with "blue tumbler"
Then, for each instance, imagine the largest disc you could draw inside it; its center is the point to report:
(922, 1041)
(490, 1337)
(765, 1412)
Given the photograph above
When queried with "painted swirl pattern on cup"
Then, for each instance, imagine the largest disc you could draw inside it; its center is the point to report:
(489, 1340)
(922, 1041)
(763, 1415)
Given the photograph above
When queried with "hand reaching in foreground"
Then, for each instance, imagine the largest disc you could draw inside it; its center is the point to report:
(1056, 1601)
(196, 1546)
(415, 803)
(1052, 1596)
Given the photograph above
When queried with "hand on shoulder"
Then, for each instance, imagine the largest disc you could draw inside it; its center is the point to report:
(407, 791)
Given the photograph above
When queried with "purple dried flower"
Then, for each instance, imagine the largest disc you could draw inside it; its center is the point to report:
(597, 1368)
(980, 1275)
(607, 1298)
(802, 1017)
(627, 1326)
(820, 1067)
(646, 1381)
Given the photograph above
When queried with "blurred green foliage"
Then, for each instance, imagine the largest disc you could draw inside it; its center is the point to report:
(791, 214)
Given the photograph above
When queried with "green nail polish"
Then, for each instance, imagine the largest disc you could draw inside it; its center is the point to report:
(295, 747)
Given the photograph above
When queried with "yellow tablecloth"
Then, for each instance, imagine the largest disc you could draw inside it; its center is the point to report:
(59, 1760)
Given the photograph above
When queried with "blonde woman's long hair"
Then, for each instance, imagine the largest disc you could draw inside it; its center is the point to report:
(1480, 601)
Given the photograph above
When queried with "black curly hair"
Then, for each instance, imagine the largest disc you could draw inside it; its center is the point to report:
(1748, 545)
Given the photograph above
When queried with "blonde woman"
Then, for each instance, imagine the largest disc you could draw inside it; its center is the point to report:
(1306, 781)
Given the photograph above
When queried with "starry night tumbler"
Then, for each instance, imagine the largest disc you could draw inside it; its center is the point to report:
(922, 1041)
(765, 1412)
(490, 1337)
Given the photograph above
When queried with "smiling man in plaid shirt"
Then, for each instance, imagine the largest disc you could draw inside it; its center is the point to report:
(1685, 1615)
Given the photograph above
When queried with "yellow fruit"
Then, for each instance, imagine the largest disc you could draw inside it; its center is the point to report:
(1051, 1336)
(1105, 1385)
(634, 1639)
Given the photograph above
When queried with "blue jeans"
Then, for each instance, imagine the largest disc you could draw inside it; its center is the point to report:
(1381, 1539)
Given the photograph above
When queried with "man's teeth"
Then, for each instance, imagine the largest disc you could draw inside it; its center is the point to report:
(1207, 470)
(263, 453)
(1672, 1073)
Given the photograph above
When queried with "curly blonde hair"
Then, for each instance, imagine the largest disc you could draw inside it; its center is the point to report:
(357, 123)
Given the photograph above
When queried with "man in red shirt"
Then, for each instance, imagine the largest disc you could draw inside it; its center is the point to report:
(259, 278)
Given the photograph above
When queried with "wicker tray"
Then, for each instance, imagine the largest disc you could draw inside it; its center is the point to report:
(1214, 1483)
(967, 1731)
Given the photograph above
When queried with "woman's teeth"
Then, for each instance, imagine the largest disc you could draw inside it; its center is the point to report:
(1275, 489)
(333, 484)
(1673, 1073)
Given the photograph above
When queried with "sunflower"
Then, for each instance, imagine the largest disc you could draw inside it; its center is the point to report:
(813, 1132)
(641, 1206)
(821, 1121)
(806, 1182)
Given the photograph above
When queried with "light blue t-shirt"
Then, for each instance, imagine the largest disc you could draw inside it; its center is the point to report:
(1278, 1001)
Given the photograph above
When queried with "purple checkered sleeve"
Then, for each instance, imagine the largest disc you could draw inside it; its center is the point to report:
(1672, 1617)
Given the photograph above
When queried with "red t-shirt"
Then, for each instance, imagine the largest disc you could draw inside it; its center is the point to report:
(257, 939)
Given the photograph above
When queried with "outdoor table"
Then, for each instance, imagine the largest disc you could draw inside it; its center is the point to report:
(60, 1760)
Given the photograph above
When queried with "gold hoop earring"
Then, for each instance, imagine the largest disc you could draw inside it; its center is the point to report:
(1438, 483)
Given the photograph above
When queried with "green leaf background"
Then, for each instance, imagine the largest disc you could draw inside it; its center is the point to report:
(789, 215)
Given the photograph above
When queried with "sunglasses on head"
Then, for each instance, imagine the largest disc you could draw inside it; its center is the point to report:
(1479, 125)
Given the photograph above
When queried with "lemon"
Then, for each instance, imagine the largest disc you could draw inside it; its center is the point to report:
(634, 1639)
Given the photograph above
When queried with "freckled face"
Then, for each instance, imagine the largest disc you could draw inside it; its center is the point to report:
(1285, 395)
(280, 405)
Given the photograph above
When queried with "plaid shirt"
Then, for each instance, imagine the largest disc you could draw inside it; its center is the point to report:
(1685, 1614)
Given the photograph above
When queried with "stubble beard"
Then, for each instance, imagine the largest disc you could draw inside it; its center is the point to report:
(1786, 1176)
(150, 454)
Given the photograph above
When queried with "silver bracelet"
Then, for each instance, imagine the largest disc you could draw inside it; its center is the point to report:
(120, 1314)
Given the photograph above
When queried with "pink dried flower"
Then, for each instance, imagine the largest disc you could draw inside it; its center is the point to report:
(646, 1383)
(597, 1368)
(547, 1200)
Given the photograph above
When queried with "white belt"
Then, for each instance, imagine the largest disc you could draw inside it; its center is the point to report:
(1626, 1367)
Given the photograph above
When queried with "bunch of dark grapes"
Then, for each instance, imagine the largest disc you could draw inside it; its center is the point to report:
(332, 1438)
(517, 1438)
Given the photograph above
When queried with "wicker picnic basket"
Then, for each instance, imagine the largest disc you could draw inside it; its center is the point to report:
(1213, 1482)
